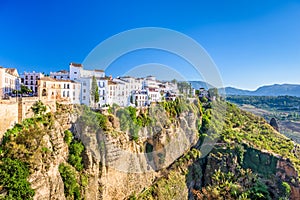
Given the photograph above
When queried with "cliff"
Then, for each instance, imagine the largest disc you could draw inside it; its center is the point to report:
(174, 150)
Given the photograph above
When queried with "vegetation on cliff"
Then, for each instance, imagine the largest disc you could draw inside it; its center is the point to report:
(22, 151)
(243, 163)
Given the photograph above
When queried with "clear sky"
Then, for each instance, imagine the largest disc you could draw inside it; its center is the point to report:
(252, 42)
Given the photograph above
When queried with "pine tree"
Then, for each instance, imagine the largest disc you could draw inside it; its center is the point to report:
(94, 91)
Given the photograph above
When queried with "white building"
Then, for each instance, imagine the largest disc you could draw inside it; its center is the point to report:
(151, 85)
(77, 72)
(111, 92)
(85, 78)
(30, 80)
(140, 98)
(86, 86)
(9, 81)
(60, 90)
(121, 89)
(60, 75)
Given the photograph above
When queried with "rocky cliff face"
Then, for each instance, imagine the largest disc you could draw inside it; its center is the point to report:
(119, 167)
(46, 179)
(164, 163)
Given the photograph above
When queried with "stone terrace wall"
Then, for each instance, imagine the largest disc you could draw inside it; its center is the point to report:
(8, 115)
(14, 111)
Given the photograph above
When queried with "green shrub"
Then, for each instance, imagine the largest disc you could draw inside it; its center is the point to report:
(71, 187)
(38, 108)
(13, 178)
(68, 137)
(75, 150)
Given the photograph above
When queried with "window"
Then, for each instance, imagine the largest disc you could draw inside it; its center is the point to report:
(68, 94)
(84, 90)
(31, 82)
(64, 93)
(68, 86)
(84, 83)
(26, 77)
(36, 77)
(83, 98)
(75, 72)
(31, 77)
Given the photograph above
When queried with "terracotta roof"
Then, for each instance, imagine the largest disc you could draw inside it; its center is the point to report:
(57, 80)
(111, 82)
(76, 64)
(12, 71)
(98, 70)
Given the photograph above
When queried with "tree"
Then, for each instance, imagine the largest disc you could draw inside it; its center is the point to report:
(25, 89)
(94, 91)
(38, 108)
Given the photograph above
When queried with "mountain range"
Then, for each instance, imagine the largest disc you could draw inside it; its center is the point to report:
(268, 90)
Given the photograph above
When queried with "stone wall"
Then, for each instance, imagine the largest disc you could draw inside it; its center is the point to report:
(8, 115)
(14, 111)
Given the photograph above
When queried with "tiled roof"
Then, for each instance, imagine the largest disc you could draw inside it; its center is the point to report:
(12, 71)
(55, 80)
(98, 70)
(76, 64)
(111, 82)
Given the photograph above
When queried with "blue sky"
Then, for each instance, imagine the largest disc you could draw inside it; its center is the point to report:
(252, 42)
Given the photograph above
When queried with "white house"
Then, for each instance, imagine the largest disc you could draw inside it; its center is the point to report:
(86, 86)
(111, 92)
(85, 78)
(140, 98)
(30, 80)
(9, 81)
(151, 85)
(60, 75)
(60, 90)
(121, 88)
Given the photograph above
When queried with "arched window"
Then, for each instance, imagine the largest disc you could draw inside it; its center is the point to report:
(44, 92)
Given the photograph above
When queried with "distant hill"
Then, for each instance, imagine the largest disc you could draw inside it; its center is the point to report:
(270, 90)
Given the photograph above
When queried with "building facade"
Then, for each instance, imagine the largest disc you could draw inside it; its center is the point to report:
(85, 78)
(30, 80)
(64, 91)
(60, 75)
(140, 98)
(9, 81)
